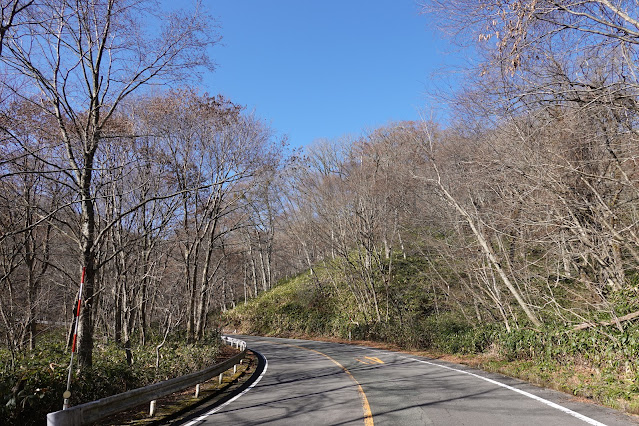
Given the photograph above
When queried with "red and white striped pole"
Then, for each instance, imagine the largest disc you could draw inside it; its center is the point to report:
(67, 393)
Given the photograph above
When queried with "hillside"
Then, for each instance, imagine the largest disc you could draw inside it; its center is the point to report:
(600, 363)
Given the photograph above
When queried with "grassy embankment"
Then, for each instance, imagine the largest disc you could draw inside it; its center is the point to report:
(600, 363)
(32, 383)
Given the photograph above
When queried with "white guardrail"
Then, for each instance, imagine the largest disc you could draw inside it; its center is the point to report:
(93, 411)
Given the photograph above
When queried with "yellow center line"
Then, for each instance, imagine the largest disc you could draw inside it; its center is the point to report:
(370, 360)
(368, 415)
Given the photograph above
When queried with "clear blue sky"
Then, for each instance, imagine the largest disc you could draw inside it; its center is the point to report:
(325, 68)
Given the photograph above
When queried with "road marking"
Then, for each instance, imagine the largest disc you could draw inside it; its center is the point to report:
(529, 395)
(368, 415)
(370, 360)
(218, 408)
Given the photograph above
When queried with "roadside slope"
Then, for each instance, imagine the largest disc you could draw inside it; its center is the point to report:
(597, 364)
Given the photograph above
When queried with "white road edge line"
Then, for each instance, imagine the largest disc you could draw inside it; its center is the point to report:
(218, 408)
(529, 395)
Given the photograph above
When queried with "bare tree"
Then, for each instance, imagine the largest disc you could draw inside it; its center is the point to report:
(81, 61)
(11, 11)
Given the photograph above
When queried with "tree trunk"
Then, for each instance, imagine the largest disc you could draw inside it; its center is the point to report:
(488, 251)
(117, 326)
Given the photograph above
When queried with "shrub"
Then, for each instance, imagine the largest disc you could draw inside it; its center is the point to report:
(33, 384)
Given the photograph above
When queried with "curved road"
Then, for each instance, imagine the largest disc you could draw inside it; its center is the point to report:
(311, 383)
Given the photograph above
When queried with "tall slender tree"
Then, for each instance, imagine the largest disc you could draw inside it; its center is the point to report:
(77, 62)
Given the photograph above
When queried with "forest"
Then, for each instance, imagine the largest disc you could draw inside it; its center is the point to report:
(517, 212)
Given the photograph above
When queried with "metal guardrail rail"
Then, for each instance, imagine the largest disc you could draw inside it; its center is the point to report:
(95, 410)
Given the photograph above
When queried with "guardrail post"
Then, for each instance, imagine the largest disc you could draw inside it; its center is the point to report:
(221, 376)
(197, 390)
(152, 407)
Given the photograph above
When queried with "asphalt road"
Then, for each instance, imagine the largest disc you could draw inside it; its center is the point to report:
(318, 383)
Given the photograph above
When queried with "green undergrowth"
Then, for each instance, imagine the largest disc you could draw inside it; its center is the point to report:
(600, 363)
(32, 382)
(296, 307)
